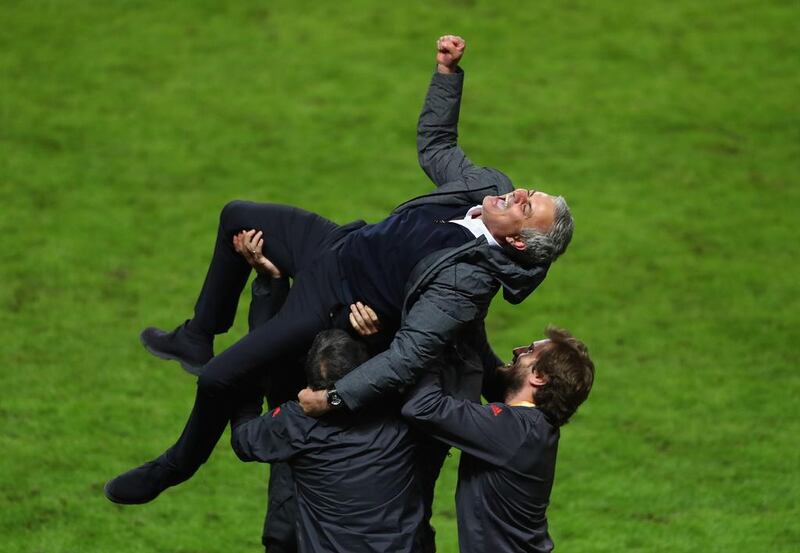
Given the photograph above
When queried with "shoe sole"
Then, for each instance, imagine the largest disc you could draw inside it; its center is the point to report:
(191, 369)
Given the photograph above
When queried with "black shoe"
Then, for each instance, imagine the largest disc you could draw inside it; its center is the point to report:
(191, 349)
(142, 484)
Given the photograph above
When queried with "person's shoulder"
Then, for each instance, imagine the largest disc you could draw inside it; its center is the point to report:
(511, 412)
(523, 413)
(529, 413)
(391, 427)
(537, 425)
(290, 407)
(377, 416)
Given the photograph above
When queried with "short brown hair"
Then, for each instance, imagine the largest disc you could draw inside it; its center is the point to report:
(569, 371)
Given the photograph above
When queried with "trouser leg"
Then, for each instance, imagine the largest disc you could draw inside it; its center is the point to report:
(462, 382)
(229, 376)
(280, 532)
(277, 547)
(431, 454)
(280, 523)
(279, 386)
(293, 238)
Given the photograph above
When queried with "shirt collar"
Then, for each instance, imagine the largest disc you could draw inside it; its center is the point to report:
(522, 404)
(476, 226)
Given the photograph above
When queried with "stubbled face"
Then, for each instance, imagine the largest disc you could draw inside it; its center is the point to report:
(524, 358)
(505, 216)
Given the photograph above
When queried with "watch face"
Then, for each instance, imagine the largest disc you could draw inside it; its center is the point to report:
(334, 399)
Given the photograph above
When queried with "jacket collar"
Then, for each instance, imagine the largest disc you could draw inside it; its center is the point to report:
(518, 282)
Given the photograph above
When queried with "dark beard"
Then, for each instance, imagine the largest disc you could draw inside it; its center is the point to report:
(510, 378)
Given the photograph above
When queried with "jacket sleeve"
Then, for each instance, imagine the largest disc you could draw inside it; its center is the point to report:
(491, 389)
(268, 296)
(452, 300)
(437, 130)
(489, 432)
(276, 436)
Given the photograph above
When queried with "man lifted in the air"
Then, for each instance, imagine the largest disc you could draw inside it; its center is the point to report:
(429, 270)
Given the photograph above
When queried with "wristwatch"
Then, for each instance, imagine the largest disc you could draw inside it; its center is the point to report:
(334, 399)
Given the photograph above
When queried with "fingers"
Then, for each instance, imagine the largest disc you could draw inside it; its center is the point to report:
(450, 44)
(255, 240)
(304, 396)
(363, 319)
(367, 321)
(239, 244)
(357, 321)
(354, 322)
(242, 244)
(369, 316)
(313, 403)
(250, 245)
(250, 240)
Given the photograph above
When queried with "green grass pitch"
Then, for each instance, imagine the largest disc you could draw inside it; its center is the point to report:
(673, 129)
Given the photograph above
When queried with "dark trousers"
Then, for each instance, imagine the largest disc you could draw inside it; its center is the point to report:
(431, 455)
(279, 533)
(462, 381)
(300, 243)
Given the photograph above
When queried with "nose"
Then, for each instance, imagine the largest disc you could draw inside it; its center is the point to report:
(520, 195)
(520, 351)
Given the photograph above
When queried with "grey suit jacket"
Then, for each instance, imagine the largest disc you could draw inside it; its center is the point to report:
(449, 292)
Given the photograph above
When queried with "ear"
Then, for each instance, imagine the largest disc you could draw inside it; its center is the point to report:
(537, 379)
(516, 242)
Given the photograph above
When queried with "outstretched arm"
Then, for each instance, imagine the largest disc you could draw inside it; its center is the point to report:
(433, 320)
(492, 389)
(437, 130)
(489, 432)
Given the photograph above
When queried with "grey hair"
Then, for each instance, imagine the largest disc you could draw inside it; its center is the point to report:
(545, 247)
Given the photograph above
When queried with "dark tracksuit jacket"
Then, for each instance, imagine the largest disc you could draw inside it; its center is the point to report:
(354, 476)
(506, 470)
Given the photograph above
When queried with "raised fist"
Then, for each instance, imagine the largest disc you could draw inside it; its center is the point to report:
(449, 49)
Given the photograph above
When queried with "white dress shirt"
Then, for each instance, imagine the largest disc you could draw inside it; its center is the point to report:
(476, 226)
